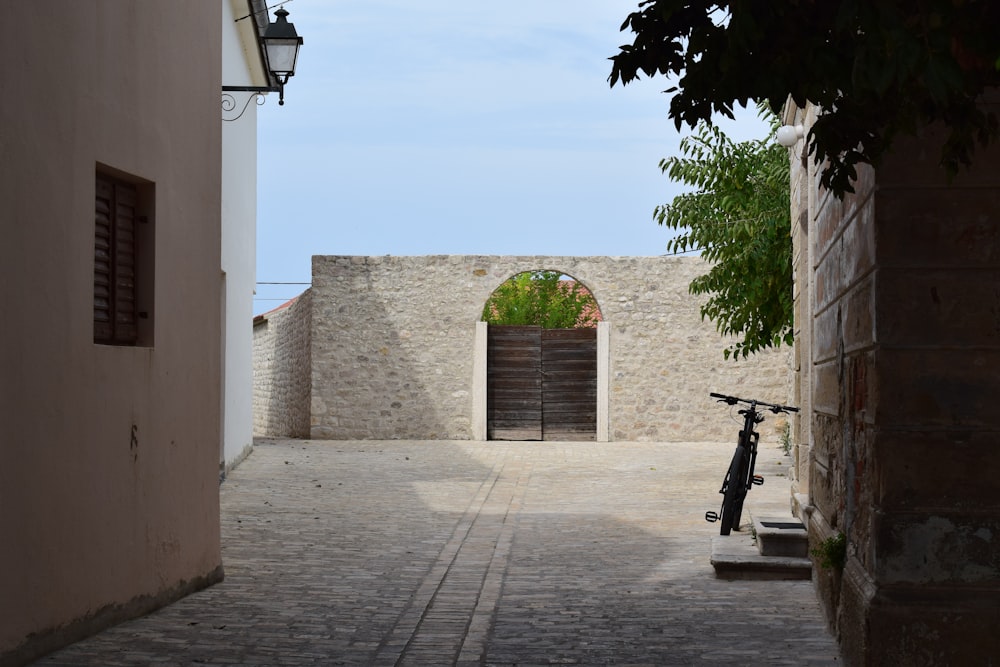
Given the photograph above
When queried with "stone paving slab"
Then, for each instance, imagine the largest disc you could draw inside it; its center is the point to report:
(738, 557)
(473, 553)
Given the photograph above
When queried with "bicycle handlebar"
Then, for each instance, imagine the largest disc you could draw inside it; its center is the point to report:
(753, 403)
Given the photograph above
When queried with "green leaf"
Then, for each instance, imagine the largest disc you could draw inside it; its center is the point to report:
(542, 298)
(875, 69)
(738, 215)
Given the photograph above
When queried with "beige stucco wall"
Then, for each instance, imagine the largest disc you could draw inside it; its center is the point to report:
(108, 455)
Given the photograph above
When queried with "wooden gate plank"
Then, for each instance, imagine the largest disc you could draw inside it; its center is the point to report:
(569, 384)
(514, 383)
(541, 384)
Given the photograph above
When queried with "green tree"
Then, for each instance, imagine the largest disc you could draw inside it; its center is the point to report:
(738, 216)
(542, 298)
(876, 69)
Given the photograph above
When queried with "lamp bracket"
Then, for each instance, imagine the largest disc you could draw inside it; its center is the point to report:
(229, 101)
(252, 89)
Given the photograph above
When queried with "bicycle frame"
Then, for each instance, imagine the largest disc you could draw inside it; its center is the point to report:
(749, 437)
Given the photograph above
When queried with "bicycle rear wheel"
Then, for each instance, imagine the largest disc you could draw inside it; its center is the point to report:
(735, 492)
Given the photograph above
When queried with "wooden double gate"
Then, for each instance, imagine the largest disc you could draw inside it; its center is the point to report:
(541, 383)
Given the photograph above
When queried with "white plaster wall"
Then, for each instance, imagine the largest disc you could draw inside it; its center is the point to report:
(240, 67)
(241, 62)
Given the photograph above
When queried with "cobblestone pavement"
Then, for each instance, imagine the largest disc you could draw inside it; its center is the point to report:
(472, 553)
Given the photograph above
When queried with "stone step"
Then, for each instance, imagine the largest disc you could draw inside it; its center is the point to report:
(781, 537)
(735, 556)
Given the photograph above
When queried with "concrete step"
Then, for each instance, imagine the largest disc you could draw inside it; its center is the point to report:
(736, 556)
(781, 537)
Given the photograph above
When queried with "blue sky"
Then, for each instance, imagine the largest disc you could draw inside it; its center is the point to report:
(414, 128)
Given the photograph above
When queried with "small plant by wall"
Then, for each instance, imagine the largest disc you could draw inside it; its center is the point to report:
(785, 437)
(831, 553)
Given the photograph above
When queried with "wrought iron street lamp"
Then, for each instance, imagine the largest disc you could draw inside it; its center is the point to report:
(281, 52)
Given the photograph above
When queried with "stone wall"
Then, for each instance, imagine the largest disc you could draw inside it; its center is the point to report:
(393, 346)
(281, 370)
(900, 369)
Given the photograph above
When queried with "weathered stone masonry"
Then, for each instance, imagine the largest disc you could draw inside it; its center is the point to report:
(281, 371)
(392, 347)
(899, 369)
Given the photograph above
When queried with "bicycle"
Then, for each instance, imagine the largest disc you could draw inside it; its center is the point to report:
(740, 476)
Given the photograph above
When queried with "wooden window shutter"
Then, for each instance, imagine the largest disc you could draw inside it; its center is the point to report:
(103, 314)
(115, 263)
(124, 285)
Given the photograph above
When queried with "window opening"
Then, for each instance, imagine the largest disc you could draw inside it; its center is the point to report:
(122, 263)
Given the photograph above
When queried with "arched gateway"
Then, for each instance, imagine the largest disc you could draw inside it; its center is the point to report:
(541, 359)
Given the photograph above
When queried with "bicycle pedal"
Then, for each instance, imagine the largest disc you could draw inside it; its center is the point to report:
(758, 479)
(711, 517)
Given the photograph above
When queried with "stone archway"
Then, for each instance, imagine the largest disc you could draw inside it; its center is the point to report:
(549, 368)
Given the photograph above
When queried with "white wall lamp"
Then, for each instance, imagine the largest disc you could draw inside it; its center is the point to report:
(788, 135)
(281, 46)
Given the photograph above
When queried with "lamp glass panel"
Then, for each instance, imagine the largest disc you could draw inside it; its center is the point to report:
(281, 55)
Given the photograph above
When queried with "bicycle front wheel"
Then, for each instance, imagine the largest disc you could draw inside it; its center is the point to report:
(735, 492)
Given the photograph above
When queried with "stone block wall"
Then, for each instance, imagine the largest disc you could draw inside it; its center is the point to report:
(802, 203)
(282, 370)
(842, 371)
(393, 346)
(900, 370)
